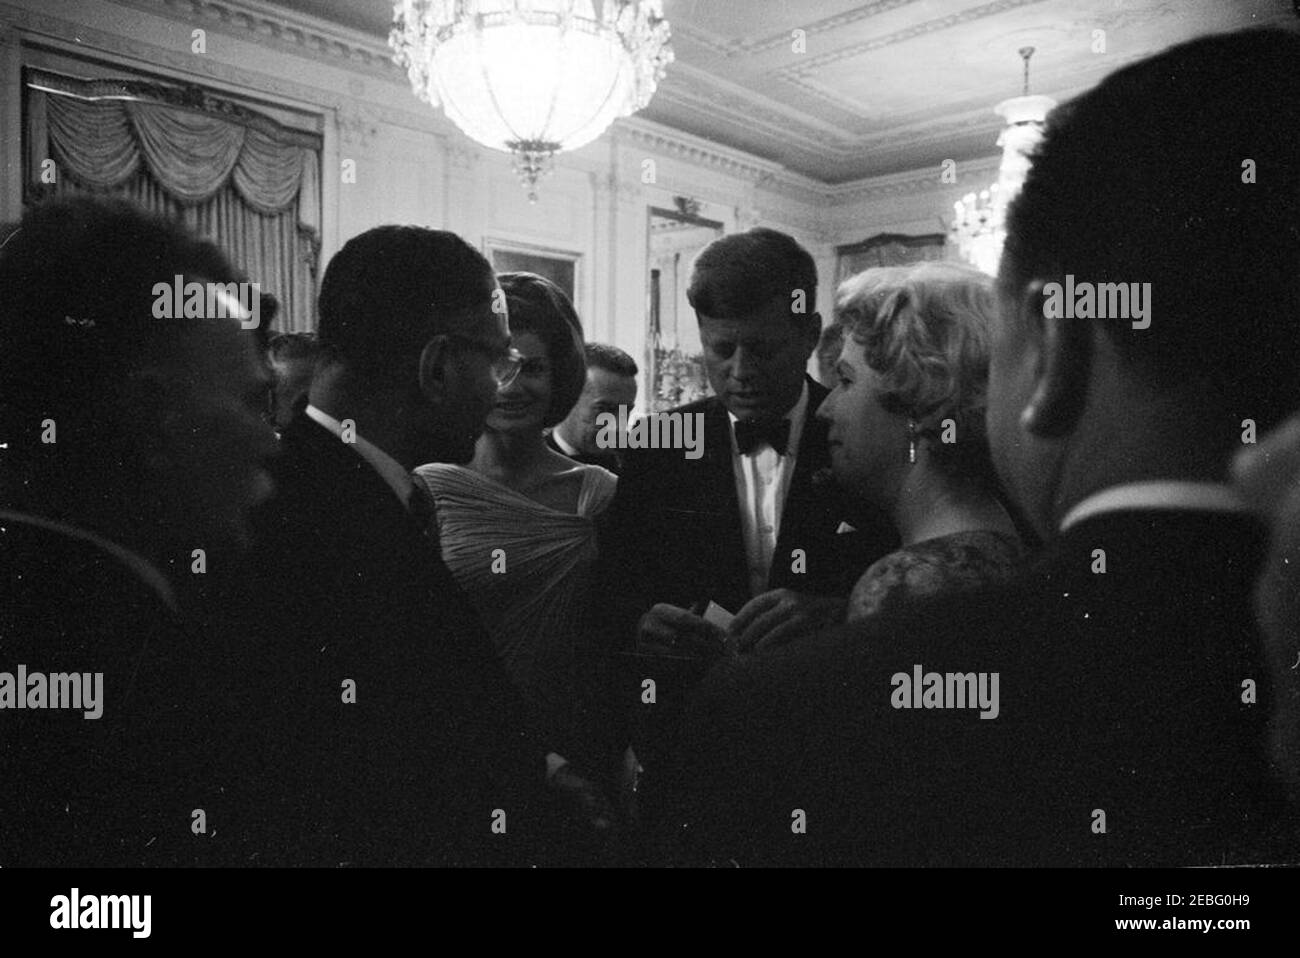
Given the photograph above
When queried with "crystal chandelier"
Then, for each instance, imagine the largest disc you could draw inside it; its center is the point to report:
(532, 77)
(979, 223)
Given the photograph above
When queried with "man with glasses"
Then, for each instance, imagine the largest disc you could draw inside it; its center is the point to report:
(505, 366)
(397, 738)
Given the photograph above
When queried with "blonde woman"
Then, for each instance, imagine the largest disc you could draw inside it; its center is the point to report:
(907, 430)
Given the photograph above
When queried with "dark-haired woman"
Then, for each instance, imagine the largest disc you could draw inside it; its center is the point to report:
(517, 523)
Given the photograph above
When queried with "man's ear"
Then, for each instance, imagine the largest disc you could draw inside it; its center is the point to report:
(1063, 347)
(433, 369)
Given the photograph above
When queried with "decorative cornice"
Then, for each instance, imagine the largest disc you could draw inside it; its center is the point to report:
(693, 149)
(300, 33)
(774, 179)
(748, 47)
(912, 182)
(57, 33)
(60, 32)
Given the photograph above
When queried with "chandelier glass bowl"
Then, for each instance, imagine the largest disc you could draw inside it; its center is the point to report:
(532, 77)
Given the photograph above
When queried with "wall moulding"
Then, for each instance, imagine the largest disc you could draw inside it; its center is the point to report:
(40, 30)
(357, 127)
(643, 134)
(51, 33)
(913, 182)
(284, 29)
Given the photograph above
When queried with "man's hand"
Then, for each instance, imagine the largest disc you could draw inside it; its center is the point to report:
(670, 630)
(772, 619)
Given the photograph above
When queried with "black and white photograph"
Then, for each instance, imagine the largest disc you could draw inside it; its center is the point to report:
(641, 440)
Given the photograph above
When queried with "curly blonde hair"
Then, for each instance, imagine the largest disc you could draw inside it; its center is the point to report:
(924, 329)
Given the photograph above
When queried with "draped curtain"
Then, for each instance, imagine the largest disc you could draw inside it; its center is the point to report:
(242, 181)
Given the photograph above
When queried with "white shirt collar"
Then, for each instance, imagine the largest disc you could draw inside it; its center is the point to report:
(1159, 494)
(796, 416)
(563, 443)
(389, 469)
(142, 567)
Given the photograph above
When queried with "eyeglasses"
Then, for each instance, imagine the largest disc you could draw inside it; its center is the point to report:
(505, 369)
(505, 366)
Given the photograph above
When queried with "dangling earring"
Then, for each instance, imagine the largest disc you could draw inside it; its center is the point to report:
(911, 441)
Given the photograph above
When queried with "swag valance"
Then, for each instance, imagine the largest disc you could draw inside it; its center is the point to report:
(192, 155)
(233, 175)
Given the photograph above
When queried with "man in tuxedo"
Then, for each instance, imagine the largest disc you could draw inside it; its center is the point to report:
(610, 387)
(1127, 722)
(745, 525)
(132, 450)
(396, 736)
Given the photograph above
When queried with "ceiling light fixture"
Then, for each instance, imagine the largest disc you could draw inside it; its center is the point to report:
(532, 77)
(979, 224)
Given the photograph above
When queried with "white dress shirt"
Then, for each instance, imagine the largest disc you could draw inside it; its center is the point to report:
(389, 469)
(1158, 494)
(762, 483)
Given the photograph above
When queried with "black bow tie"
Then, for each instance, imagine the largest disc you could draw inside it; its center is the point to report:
(752, 433)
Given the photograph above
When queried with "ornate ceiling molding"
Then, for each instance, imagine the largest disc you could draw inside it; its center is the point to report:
(693, 149)
(702, 90)
(907, 33)
(775, 179)
(800, 73)
(281, 28)
(748, 47)
(912, 182)
(57, 33)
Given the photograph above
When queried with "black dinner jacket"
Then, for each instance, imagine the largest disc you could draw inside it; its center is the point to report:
(352, 590)
(117, 790)
(673, 532)
(610, 462)
(1120, 694)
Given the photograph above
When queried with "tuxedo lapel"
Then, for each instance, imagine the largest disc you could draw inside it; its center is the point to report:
(813, 455)
(808, 509)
